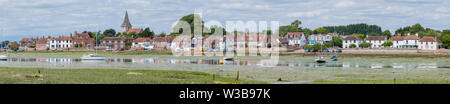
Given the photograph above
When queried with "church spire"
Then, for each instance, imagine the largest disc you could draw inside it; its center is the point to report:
(126, 25)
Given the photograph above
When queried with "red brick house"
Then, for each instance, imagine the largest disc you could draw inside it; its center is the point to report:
(82, 41)
(42, 44)
(28, 44)
(115, 43)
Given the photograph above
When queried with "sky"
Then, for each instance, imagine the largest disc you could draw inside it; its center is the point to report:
(36, 18)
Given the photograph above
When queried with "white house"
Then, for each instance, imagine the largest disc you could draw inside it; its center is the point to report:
(60, 43)
(376, 41)
(297, 39)
(349, 40)
(141, 43)
(428, 43)
(321, 38)
(411, 41)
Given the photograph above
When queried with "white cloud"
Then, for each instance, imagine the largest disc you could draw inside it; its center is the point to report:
(31, 17)
(345, 3)
(308, 13)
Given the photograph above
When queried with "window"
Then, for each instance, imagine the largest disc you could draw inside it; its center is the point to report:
(379, 41)
(431, 42)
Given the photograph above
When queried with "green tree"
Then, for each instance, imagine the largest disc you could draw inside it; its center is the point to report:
(361, 28)
(446, 41)
(387, 33)
(162, 34)
(191, 19)
(387, 44)
(146, 33)
(110, 33)
(14, 48)
(98, 37)
(310, 47)
(128, 45)
(307, 31)
(365, 45)
(321, 30)
(416, 28)
(352, 46)
(297, 24)
(337, 41)
(288, 28)
(361, 36)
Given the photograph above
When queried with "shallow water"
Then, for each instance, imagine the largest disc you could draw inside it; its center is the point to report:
(291, 68)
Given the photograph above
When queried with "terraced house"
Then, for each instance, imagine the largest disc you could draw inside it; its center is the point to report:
(376, 41)
(408, 41)
(83, 41)
(349, 40)
(115, 43)
(428, 43)
(296, 39)
(60, 43)
(321, 38)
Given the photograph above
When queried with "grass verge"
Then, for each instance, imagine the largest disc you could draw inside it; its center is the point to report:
(110, 76)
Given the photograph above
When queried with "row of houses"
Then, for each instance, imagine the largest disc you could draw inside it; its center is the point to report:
(299, 39)
(76, 40)
(408, 41)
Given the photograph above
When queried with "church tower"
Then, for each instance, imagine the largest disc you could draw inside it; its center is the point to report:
(126, 25)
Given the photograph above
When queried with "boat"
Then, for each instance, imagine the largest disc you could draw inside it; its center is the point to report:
(92, 57)
(228, 58)
(320, 59)
(334, 58)
(3, 57)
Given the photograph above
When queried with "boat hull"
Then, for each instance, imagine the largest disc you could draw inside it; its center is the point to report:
(92, 58)
(3, 57)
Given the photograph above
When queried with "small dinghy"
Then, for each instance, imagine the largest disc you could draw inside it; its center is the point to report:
(3, 57)
(320, 59)
(334, 58)
(92, 57)
(228, 58)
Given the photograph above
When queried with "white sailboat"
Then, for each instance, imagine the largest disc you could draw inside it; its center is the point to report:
(3, 57)
(320, 59)
(93, 56)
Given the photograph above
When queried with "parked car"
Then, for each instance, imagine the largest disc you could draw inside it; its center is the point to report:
(319, 51)
(326, 50)
(338, 51)
(307, 50)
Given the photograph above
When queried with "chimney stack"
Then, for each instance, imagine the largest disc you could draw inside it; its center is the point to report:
(417, 34)
(409, 34)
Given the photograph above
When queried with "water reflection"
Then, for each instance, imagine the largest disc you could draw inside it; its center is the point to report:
(241, 62)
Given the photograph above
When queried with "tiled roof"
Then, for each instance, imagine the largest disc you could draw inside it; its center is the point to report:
(376, 38)
(396, 38)
(352, 38)
(142, 40)
(42, 41)
(411, 37)
(62, 38)
(293, 33)
(118, 38)
(13, 44)
(136, 30)
(428, 39)
(26, 39)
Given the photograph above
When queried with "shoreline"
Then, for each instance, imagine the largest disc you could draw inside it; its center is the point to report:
(168, 52)
(15, 75)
